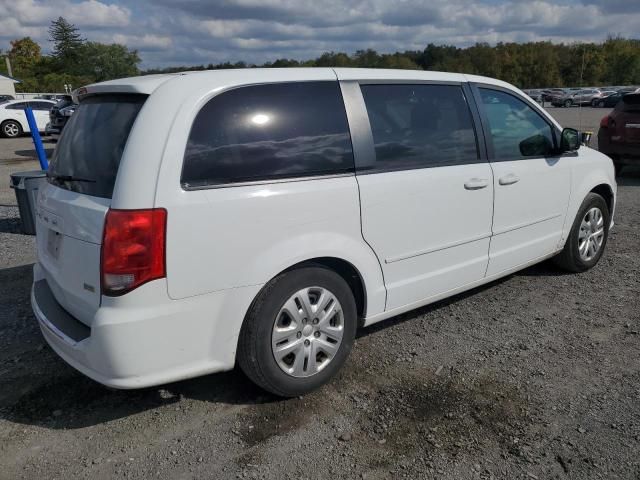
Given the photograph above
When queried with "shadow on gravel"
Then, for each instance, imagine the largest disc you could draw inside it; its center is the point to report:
(75, 401)
(32, 153)
(433, 307)
(630, 177)
(39, 388)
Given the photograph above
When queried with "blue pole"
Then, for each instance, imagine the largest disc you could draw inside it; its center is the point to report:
(37, 141)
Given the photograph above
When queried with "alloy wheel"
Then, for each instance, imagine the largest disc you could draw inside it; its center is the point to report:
(307, 332)
(11, 129)
(591, 234)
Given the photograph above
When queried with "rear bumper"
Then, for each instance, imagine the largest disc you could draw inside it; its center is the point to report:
(623, 153)
(142, 341)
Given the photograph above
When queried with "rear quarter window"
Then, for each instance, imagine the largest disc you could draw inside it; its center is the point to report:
(266, 132)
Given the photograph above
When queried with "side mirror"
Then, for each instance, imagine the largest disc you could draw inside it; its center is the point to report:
(569, 140)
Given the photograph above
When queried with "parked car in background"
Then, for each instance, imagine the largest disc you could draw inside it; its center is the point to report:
(609, 100)
(603, 94)
(549, 94)
(60, 114)
(13, 120)
(535, 95)
(283, 208)
(626, 90)
(579, 97)
(6, 98)
(54, 97)
(619, 134)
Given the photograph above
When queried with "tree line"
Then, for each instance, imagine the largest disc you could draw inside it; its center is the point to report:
(76, 61)
(615, 61)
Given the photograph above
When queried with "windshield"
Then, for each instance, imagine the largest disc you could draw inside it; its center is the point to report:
(87, 156)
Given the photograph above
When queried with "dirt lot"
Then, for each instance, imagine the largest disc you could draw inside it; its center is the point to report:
(536, 376)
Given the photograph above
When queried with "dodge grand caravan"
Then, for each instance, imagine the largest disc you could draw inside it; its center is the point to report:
(194, 221)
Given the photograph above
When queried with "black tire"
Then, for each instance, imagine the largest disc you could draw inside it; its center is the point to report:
(11, 129)
(594, 102)
(569, 259)
(601, 104)
(255, 355)
(568, 103)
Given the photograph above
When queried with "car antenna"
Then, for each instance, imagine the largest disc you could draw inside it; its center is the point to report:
(584, 52)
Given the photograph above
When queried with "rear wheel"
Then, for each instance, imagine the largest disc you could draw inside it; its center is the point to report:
(601, 104)
(588, 236)
(594, 102)
(298, 332)
(11, 129)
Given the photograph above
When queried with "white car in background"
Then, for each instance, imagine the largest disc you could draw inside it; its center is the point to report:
(13, 120)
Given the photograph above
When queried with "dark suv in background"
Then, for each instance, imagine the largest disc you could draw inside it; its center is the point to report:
(60, 114)
(619, 134)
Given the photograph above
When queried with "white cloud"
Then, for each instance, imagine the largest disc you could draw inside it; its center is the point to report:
(185, 32)
(87, 13)
(142, 42)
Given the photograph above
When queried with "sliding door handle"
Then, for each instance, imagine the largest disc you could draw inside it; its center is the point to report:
(476, 183)
(509, 179)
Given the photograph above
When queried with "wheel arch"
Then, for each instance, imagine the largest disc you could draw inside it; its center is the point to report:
(592, 172)
(606, 192)
(349, 273)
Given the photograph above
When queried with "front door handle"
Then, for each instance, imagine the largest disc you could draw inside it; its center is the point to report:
(476, 183)
(509, 179)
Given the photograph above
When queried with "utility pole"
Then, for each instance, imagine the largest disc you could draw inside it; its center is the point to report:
(8, 66)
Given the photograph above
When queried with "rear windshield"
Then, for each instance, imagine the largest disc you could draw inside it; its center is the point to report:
(88, 153)
(631, 103)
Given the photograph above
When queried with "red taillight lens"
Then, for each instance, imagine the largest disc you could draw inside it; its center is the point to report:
(133, 249)
(604, 123)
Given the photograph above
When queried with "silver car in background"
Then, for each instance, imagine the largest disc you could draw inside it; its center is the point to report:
(587, 96)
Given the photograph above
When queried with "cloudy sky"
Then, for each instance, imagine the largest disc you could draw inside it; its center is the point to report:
(187, 32)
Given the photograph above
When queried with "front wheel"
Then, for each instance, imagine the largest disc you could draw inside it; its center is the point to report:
(601, 104)
(568, 103)
(298, 332)
(588, 236)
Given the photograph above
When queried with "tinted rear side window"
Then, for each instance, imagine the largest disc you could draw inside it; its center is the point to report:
(92, 142)
(268, 132)
(418, 126)
(17, 106)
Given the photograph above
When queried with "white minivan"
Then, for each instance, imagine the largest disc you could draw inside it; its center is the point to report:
(192, 221)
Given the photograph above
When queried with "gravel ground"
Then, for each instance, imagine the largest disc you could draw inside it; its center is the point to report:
(535, 376)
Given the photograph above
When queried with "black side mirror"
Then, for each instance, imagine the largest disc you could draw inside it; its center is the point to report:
(569, 140)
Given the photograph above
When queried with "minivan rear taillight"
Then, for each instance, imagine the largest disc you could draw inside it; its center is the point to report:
(604, 123)
(133, 249)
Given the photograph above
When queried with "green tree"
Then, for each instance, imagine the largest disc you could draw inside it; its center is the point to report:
(622, 60)
(67, 43)
(24, 54)
(105, 62)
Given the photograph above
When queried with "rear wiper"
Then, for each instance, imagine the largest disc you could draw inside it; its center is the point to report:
(69, 178)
